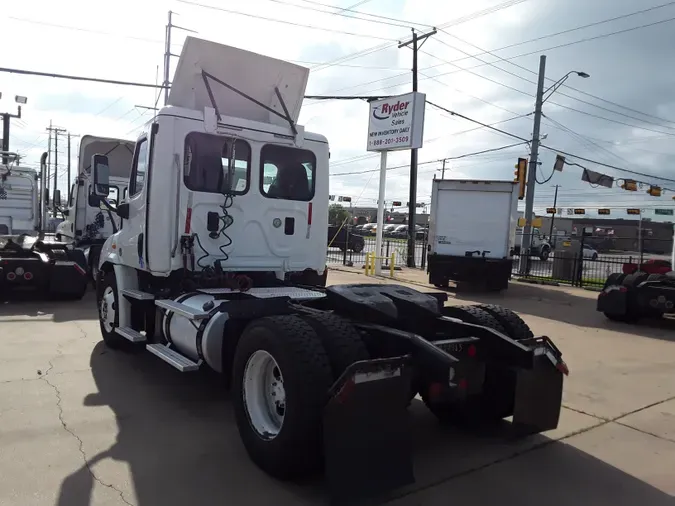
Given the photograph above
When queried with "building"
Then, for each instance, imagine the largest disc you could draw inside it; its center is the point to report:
(615, 234)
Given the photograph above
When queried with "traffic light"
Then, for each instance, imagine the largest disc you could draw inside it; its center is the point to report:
(633, 211)
(521, 176)
(604, 211)
(629, 185)
(654, 191)
(396, 203)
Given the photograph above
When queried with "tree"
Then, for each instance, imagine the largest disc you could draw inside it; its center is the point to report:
(337, 214)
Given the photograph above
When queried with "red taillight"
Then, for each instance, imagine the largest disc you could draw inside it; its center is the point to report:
(435, 391)
(471, 350)
(11, 276)
(28, 276)
(309, 214)
(562, 367)
(623, 289)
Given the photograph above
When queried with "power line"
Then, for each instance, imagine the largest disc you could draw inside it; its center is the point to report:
(492, 64)
(465, 155)
(621, 169)
(282, 21)
(78, 78)
(444, 26)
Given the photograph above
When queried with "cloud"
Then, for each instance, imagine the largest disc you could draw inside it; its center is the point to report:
(126, 43)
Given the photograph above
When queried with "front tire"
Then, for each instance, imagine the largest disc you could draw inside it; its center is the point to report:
(281, 374)
(544, 254)
(108, 313)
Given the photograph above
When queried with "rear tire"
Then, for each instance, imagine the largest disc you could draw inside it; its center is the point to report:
(295, 449)
(339, 338)
(357, 246)
(513, 324)
(614, 279)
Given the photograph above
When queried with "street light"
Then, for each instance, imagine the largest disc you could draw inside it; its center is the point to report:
(542, 96)
(561, 81)
(6, 116)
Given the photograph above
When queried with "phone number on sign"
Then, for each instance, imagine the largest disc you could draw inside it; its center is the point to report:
(389, 140)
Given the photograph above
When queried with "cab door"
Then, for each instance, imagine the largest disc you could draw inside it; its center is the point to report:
(131, 244)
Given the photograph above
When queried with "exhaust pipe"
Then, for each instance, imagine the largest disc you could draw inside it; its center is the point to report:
(43, 193)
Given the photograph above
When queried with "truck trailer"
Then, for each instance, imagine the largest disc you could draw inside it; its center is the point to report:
(31, 260)
(472, 230)
(217, 265)
(88, 217)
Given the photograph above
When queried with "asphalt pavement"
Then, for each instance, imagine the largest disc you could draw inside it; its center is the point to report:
(82, 425)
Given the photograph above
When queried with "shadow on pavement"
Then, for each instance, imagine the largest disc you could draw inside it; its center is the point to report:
(176, 435)
(28, 305)
(561, 305)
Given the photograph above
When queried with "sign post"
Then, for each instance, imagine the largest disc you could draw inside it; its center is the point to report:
(394, 123)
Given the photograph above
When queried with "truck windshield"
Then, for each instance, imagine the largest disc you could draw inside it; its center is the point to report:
(287, 173)
(209, 159)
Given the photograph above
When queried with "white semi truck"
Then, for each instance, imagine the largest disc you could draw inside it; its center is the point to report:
(89, 220)
(220, 264)
(472, 232)
(29, 258)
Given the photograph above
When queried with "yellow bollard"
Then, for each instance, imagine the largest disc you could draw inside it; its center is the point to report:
(392, 261)
(368, 255)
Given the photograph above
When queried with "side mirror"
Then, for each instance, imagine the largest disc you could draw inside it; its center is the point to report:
(57, 197)
(123, 210)
(46, 196)
(66, 212)
(101, 172)
(94, 200)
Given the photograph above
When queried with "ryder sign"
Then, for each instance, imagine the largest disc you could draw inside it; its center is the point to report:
(396, 122)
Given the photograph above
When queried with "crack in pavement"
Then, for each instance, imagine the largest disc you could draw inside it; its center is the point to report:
(59, 407)
(542, 444)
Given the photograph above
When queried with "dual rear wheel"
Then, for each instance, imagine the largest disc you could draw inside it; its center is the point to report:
(283, 367)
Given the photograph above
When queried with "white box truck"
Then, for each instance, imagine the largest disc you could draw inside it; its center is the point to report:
(472, 230)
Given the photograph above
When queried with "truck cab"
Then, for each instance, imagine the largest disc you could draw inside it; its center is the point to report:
(88, 220)
(19, 202)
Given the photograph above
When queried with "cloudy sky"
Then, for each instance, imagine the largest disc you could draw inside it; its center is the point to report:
(482, 63)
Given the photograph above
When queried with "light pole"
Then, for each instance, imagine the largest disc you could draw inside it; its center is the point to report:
(6, 117)
(542, 96)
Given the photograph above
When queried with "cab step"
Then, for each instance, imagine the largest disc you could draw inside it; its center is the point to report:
(138, 295)
(181, 309)
(132, 335)
(171, 357)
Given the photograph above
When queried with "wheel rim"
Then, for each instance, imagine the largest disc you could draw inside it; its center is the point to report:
(107, 309)
(264, 395)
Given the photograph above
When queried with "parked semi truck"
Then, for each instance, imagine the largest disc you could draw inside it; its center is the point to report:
(89, 220)
(644, 290)
(31, 260)
(472, 231)
(216, 266)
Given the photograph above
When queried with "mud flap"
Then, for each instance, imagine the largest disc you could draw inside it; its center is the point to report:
(613, 300)
(538, 398)
(367, 436)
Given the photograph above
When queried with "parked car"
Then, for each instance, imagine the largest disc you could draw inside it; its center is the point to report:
(590, 253)
(401, 232)
(344, 238)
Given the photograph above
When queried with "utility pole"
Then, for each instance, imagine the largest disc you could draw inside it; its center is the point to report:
(412, 203)
(70, 136)
(443, 170)
(532, 172)
(168, 54)
(555, 210)
(56, 132)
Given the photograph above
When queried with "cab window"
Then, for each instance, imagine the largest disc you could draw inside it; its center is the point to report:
(287, 173)
(216, 164)
(139, 168)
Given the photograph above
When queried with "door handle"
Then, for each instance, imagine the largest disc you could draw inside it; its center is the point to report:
(140, 245)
